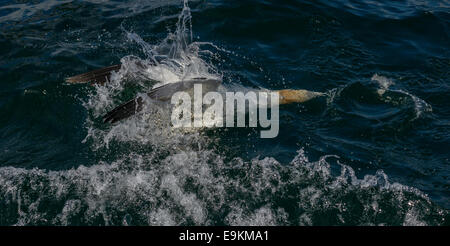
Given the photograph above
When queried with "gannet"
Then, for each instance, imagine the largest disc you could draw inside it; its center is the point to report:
(164, 92)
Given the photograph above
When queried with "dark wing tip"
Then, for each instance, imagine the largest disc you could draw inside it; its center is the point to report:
(99, 76)
(131, 107)
(124, 111)
(162, 93)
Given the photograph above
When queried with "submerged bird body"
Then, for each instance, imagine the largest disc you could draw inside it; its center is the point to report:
(164, 93)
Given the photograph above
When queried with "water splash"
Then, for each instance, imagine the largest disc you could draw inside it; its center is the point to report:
(420, 106)
(175, 58)
(201, 188)
(384, 85)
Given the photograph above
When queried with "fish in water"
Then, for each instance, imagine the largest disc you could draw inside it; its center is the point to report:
(164, 92)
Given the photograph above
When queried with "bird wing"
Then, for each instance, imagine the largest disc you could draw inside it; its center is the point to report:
(162, 93)
(99, 76)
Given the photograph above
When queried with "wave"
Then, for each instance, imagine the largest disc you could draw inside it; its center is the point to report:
(201, 188)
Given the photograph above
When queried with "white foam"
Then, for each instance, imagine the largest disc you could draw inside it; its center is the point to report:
(194, 187)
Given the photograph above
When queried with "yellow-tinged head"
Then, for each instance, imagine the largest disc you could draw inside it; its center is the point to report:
(297, 96)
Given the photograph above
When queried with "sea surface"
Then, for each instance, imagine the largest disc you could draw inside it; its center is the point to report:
(374, 151)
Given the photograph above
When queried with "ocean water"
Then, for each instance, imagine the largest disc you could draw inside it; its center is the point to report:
(374, 151)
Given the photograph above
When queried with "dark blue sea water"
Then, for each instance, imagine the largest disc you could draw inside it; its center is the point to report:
(374, 151)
